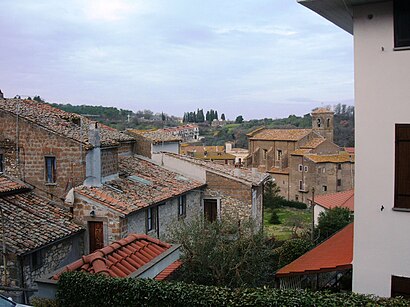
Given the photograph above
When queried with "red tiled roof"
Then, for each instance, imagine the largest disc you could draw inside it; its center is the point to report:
(155, 136)
(322, 110)
(169, 270)
(340, 199)
(121, 258)
(61, 122)
(32, 221)
(280, 134)
(333, 254)
(350, 150)
(141, 184)
(313, 143)
(8, 185)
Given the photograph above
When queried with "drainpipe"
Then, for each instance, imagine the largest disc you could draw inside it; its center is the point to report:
(313, 214)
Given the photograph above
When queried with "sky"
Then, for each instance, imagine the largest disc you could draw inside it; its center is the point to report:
(256, 58)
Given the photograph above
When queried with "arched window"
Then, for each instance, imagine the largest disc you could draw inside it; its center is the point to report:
(319, 122)
(328, 122)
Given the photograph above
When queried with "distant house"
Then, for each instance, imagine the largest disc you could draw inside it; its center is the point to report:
(54, 150)
(329, 201)
(230, 192)
(215, 154)
(144, 198)
(188, 133)
(135, 256)
(302, 159)
(153, 141)
(322, 266)
(240, 153)
(40, 237)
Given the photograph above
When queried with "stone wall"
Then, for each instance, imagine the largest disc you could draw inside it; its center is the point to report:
(34, 144)
(143, 146)
(229, 187)
(126, 148)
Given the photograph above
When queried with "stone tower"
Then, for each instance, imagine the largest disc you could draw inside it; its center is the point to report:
(322, 122)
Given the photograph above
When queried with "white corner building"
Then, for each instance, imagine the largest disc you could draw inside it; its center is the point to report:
(381, 29)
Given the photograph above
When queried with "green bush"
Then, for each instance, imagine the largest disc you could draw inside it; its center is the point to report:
(82, 289)
(274, 218)
(43, 302)
(291, 203)
(292, 249)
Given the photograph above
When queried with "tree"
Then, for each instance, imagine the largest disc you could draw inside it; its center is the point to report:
(223, 253)
(239, 119)
(291, 250)
(223, 116)
(331, 221)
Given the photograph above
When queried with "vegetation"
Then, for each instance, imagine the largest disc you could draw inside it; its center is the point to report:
(292, 249)
(198, 116)
(82, 289)
(331, 221)
(224, 253)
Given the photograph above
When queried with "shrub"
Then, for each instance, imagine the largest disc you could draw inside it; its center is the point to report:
(292, 249)
(292, 204)
(82, 289)
(331, 221)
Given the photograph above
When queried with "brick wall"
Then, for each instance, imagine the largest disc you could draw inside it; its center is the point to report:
(109, 161)
(143, 146)
(229, 187)
(34, 144)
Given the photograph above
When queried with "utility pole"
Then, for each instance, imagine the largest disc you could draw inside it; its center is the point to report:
(4, 250)
(312, 206)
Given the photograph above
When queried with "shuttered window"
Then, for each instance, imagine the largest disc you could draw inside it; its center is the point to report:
(402, 171)
(400, 286)
(402, 23)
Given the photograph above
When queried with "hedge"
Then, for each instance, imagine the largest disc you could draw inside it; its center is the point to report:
(291, 203)
(82, 289)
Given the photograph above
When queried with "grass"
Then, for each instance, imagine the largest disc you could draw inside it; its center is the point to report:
(288, 218)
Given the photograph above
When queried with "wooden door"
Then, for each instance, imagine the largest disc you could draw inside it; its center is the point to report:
(96, 235)
(211, 209)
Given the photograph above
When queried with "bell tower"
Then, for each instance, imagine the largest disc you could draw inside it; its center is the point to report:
(322, 122)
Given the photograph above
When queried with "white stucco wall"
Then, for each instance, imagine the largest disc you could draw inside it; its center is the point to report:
(316, 212)
(172, 147)
(382, 82)
(181, 167)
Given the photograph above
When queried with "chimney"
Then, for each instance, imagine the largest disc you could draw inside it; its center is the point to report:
(93, 158)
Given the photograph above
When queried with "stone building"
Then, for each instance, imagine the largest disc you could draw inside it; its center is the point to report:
(153, 141)
(303, 159)
(230, 192)
(188, 133)
(216, 154)
(144, 198)
(51, 149)
(40, 236)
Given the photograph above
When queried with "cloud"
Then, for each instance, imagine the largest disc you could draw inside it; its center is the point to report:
(268, 29)
(113, 10)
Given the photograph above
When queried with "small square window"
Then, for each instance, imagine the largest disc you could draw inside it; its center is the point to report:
(324, 188)
(339, 182)
(306, 169)
(50, 164)
(279, 155)
(297, 197)
(181, 205)
(339, 166)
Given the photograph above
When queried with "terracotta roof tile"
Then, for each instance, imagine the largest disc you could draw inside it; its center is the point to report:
(169, 270)
(280, 134)
(31, 222)
(313, 143)
(61, 122)
(121, 258)
(337, 158)
(334, 253)
(300, 152)
(350, 150)
(156, 136)
(8, 185)
(141, 184)
(276, 170)
(341, 199)
(225, 170)
(185, 148)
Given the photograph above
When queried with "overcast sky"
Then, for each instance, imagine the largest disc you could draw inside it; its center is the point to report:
(258, 58)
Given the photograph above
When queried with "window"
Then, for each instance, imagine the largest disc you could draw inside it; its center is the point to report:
(400, 286)
(328, 122)
(182, 205)
(279, 154)
(151, 221)
(402, 167)
(306, 169)
(319, 122)
(297, 197)
(1, 163)
(402, 23)
(50, 169)
(339, 182)
(300, 167)
(265, 153)
(36, 260)
(324, 188)
(301, 185)
(339, 166)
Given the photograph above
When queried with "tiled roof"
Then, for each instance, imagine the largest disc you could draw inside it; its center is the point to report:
(341, 199)
(169, 270)
(280, 134)
(322, 110)
(156, 136)
(244, 174)
(121, 258)
(61, 122)
(200, 149)
(8, 185)
(313, 143)
(276, 170)
(31, 222)
(142, 183)
(333, 254)
(300, 152)
(338, 158)
(214, 156)
(180, 128)
(350, 150)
